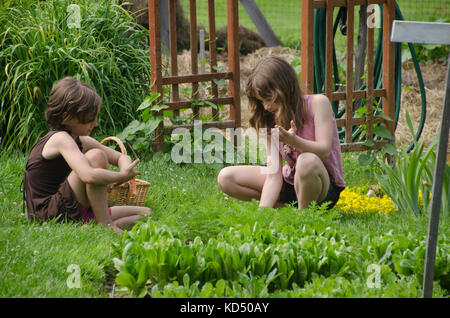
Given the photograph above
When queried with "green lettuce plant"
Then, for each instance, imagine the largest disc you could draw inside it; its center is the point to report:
(255, 262)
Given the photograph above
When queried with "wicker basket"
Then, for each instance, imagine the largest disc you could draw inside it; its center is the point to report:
(132, 192)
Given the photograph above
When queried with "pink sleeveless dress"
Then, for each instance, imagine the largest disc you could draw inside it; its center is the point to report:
(334, 161)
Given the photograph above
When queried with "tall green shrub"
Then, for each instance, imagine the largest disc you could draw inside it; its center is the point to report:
(40, 44)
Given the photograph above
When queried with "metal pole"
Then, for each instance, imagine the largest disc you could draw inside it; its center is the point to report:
(164, 18)
(264, 29)
(433, 225)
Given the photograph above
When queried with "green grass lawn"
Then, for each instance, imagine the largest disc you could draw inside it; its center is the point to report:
(35, 257)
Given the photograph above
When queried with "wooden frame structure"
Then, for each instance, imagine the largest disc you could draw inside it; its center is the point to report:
(387, 93)
(174, 80)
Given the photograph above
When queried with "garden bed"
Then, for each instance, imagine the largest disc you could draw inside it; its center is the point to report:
(198, 241)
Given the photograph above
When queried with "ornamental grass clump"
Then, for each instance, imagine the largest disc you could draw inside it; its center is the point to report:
(408, 181)
(44, 41)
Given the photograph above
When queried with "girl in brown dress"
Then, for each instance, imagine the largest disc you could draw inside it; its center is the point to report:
(67, 174)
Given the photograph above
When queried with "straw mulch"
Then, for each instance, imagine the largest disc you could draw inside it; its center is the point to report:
(434, 81)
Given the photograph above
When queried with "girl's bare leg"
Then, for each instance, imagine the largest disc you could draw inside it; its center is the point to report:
(92, 194)
(242, 182)
(96, 196)
(126, 216)
(311, 180)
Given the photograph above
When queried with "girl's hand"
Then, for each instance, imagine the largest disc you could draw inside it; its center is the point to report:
(129, 172)
(287, 136)
(116, 229)
(109, 187)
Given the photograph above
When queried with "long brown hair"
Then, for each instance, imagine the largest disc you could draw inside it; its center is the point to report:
(72, 98)
(275, 79)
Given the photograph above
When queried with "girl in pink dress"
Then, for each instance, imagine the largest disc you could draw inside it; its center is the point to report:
(307, 140)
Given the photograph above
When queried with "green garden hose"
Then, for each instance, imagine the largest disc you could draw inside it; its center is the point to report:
(319, 69)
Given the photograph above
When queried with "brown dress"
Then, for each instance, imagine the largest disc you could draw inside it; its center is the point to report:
(46, 191)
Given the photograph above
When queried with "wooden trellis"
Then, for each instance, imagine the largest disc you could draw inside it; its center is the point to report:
(387, 93)
(174, 80)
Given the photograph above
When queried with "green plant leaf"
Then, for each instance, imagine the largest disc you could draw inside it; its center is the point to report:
(158, 107)
(369, 143)
(382, 132)
(410, 126)
(152, 124)
(390, 149)
(118, 263)
(365, 159)
(126, 279)
(385, 117)
(148, 101)
(214, 106)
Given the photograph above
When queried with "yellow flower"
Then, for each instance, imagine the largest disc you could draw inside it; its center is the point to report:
(354, 200)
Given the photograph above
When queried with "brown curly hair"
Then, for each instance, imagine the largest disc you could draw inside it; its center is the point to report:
(71, 98)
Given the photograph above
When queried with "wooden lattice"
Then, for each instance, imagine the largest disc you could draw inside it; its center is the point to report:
(175, 80)
(387, 93)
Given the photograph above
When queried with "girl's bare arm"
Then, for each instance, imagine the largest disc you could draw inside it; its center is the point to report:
(114, 157)
(324, 125)
(274, 180)
(65, 145)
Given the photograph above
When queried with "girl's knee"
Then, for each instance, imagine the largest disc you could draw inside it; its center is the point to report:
(97, 158)
(308, 164)
(224, 178)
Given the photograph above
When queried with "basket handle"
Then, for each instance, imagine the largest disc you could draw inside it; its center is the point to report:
(118, 141)
(132, 181)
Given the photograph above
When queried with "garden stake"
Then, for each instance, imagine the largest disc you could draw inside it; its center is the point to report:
(436, 193)
(436, 33)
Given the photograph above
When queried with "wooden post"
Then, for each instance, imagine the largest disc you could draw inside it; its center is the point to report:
(349, 87)
(155, 61)
(370, 83)
(388, 66)
(173, 51)
(213, 53)
(307, 80)
(233, 59)
(194, 48)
